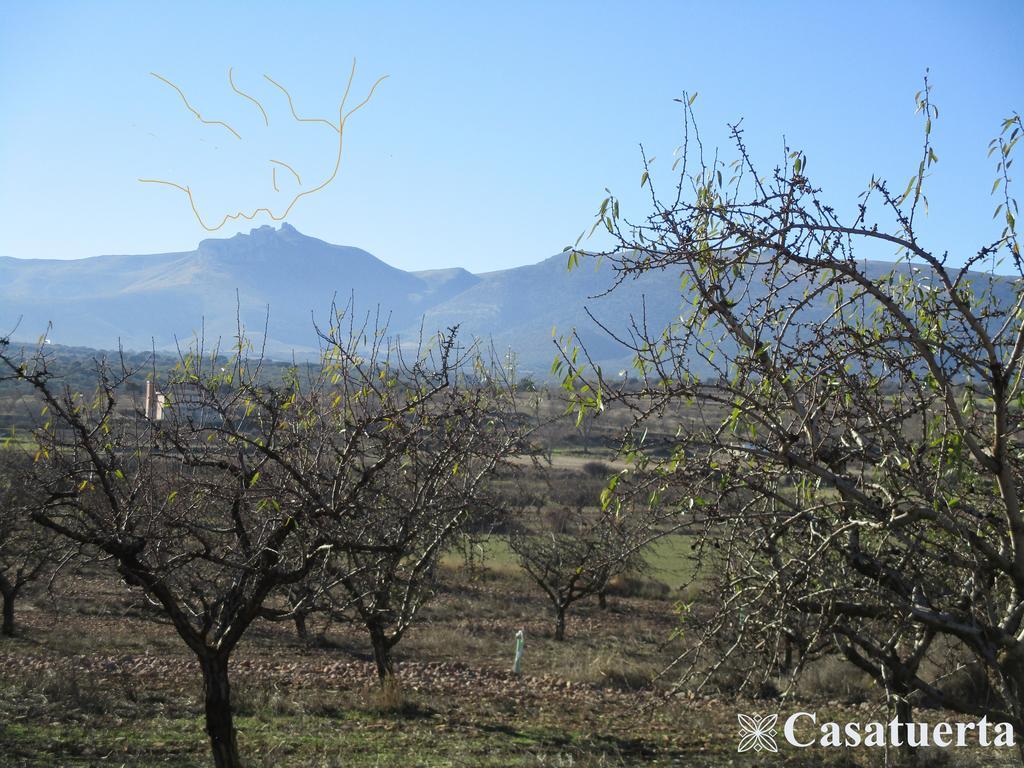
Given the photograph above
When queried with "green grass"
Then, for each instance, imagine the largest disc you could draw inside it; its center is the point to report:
(65, 702)
(492, 551)
(355, 739)
(489, 734)
(669, 558)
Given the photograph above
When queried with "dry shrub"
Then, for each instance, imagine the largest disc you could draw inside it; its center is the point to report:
(614, 670)
(263, 699)
(625, 585)
(388, 697)
(440, 641)
(835, 678)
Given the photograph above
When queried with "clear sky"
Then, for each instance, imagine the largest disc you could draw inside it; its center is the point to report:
(500, 125)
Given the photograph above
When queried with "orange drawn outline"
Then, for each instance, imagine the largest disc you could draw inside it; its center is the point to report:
(240, 92)
(340, 128)
(294, 172)
(292, 106)
(192, 109)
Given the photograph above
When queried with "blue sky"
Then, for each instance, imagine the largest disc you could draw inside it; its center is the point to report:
(499, 127)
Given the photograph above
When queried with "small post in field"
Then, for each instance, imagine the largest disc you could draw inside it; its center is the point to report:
(517, 662)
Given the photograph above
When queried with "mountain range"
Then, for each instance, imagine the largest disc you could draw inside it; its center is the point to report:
(283, 280)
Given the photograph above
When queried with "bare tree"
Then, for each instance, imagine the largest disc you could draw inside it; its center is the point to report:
(573, 554)
(215, 510)
(852, 429)
(175, 506)
(26, 549)
(451, 424)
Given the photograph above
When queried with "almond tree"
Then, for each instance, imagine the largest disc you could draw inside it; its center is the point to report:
(852, 429)
(574, 554)
(419, 507)
(175, 506)
(26, 549)
(216, 510)
(442, 425)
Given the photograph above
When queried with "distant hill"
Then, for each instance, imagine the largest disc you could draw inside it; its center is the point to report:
(152, 300)
(144, 301)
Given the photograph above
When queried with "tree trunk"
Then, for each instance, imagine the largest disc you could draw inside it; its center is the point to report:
(904, 712)
(300, 626)
(787, 662)
(602, 601)
(1012, 672)
(381, 652)
(8, 626)
(560, 623)
(219, 721)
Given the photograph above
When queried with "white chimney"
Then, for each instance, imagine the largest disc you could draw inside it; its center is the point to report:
(154, 402)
